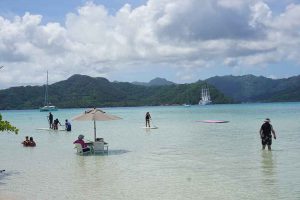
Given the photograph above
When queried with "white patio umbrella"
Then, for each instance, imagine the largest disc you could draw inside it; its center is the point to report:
(95, 115)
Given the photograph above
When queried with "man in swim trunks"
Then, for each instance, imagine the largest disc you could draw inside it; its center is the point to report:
(265, 134)
(148, 117)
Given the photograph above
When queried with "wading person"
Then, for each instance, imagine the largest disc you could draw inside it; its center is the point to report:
(50, 119)
(26, 141)
(147, 118)
(55, 124)
(266, 132)
(68, 126)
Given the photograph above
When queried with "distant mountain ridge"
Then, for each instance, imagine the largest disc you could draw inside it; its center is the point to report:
(84, 91)
(155, 82)
(250, 88)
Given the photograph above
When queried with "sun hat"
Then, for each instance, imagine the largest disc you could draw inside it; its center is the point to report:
(80, 137)
(267, 120)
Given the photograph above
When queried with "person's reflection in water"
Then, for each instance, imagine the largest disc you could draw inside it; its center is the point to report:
(269, 175)
(267, 165)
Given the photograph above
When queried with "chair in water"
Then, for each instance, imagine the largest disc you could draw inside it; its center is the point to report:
(81, 151)
(100, 146)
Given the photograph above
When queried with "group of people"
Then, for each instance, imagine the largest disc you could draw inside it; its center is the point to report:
(54, 124)
(29, 142)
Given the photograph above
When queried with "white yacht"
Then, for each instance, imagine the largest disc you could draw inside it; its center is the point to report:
(205, 96)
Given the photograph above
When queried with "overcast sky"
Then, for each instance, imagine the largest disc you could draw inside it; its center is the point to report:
(138, 40)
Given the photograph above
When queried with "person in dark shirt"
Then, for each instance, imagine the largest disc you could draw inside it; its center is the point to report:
(147, 118)
(266, 132)
(50, 119)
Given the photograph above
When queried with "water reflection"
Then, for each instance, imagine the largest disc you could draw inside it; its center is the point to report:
(109, 153)
(268, 168)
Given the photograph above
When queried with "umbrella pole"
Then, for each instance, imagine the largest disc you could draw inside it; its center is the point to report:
(94, 130)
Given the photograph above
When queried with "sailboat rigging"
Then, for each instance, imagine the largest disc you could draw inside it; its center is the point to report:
(47, 105)
(205, 96)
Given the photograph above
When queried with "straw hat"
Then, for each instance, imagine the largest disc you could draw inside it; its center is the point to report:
(267, 120)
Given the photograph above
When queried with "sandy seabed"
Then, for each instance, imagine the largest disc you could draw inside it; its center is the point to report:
(8, 196)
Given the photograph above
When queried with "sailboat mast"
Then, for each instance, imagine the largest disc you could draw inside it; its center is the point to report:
(46, 92)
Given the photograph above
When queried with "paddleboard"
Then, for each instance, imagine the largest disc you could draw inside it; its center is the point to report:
(48, 129)
(152, 127)
(213, 121)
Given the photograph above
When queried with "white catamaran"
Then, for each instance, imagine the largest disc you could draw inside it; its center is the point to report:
(205, 96)
(47, 106)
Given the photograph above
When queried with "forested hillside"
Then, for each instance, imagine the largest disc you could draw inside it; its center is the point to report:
(85, 91)
(250, 88)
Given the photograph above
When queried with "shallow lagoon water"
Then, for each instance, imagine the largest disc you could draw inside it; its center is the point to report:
(183, 159)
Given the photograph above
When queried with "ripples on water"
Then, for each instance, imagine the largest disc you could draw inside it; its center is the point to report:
(183, 159)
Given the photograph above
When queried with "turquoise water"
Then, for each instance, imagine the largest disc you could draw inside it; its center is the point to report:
(183, 159)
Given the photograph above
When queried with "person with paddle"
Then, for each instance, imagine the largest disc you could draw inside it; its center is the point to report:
(50, 119)
(147, 118)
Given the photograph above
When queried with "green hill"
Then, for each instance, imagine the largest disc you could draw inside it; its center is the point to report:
(155, 82)
(85, 91)
(250, 88)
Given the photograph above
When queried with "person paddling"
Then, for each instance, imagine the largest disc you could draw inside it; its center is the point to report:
(147, 118)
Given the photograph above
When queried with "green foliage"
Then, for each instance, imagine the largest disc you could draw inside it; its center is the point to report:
(250, 88)
(84, 91)
(6, 126)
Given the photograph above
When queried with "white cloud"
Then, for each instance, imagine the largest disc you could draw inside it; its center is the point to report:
(184, 34)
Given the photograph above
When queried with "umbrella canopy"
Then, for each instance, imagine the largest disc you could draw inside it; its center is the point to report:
(95, 115)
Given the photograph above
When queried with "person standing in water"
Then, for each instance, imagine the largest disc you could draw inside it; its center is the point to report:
(55, 124)
(50, 119)
(147, 118)
(266, 132)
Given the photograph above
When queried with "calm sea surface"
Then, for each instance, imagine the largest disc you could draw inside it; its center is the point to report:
(183, 159)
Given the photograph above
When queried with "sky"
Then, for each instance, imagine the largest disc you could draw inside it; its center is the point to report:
(138, 40)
